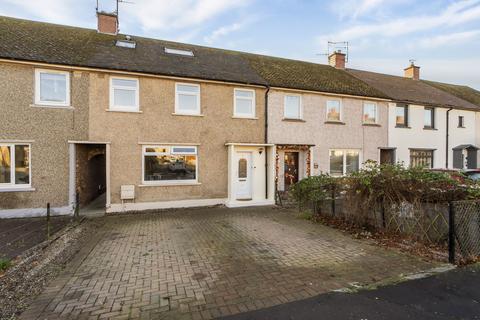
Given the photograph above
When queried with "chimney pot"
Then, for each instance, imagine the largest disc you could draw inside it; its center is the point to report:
(107, 22)
(412, 71)
(337, 59)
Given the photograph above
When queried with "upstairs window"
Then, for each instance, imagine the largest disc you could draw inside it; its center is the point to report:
(429, 118)
(14, 165)
(52, 88)
(401, 115)
(369, 113)
(334, 110)
(244, 103)
(187, 99)
(292, 107)
(124, 94)
(167, 164)
(461, 122)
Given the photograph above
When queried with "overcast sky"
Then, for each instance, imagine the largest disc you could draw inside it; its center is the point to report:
(443, 36)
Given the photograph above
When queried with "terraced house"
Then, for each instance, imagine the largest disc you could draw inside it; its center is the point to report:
(131, 123)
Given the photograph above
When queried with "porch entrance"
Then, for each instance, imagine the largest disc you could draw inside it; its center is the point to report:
(291, 169)
(88, 177)
(387, 156)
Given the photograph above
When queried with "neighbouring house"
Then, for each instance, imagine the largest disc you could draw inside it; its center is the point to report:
(428, 124)
(97, 118)
(321, 118)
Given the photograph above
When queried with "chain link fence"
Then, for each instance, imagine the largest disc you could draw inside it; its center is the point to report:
(454, 225)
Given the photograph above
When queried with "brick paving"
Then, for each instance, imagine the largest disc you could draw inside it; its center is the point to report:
(210, 262)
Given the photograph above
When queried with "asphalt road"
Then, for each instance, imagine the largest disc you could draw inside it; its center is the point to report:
(451, 295)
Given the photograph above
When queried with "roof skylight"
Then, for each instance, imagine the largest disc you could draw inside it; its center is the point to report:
(179, 51)
(126, 44)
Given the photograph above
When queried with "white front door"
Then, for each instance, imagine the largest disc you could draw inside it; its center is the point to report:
(243, 178)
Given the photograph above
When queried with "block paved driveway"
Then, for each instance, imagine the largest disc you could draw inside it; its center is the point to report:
(210, 262)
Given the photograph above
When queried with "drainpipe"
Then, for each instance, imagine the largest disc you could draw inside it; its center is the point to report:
(266, 141)
(446, 138)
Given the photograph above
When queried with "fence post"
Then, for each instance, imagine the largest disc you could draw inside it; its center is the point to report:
(77, 205)
(451, 233)
(333, 200)
(382, 208)
(48, 221)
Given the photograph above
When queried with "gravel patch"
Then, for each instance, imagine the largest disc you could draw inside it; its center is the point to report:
(31, 271)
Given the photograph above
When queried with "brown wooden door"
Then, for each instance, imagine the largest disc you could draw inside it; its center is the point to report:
(291, 169)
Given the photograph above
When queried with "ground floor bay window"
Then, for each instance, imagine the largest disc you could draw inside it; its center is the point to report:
(169, 164)
(343, 162)
(421, 158)
(14, 166)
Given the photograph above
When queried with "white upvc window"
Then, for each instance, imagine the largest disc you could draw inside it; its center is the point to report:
(244, 103)
(15, 167)
(187, 98)
(344, 161)
(370, 113)
(124, 94)
(292, 107)
(334, 110)
(52, 88)
(169, 165)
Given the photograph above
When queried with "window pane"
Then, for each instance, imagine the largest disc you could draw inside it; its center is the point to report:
(428, 113)
(187, 102)
(421, 158)
(157, 149)
(336, 162)
(401, 118)
(53, 87)
(333, 110)
(187, 88)
(170, 167)
(5, 164)
(244, 106)
(22, 165)
(184, 150)
(124, 98)
(125, 83)
(292, 107)
(352, 161)
(243, 94)
(370, 113)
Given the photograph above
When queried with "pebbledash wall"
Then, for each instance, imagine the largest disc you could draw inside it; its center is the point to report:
(157, 124)
(415, 136)
(47, 131)
(314, 129)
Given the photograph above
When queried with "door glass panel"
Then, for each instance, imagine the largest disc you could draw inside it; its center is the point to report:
(22, 165)
(5, 164)
(242, 168)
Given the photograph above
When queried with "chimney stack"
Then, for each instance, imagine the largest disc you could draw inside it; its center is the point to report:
(107, 22)
(412, 72)
(337, 60)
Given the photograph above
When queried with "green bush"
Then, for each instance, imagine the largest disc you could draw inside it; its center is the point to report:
(4, 264)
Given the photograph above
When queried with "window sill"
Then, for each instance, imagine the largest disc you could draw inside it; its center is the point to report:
(16, 189)
(371, 125)
(50, 106)
(245, 118)
(123, 111)
(187, 115)
(335, 122)
(461, 127)
(293, 120)
(428, 128)
(402, 127)
(169, 184)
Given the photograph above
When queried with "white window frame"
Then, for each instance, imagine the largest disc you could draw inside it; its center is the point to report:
(168, 153)
(341, 110)
(134, 108)
(252, 99)
(344, 169)
(12, 185)
(198, 95)
(363, 115)
(38, 100)
(300, 106)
